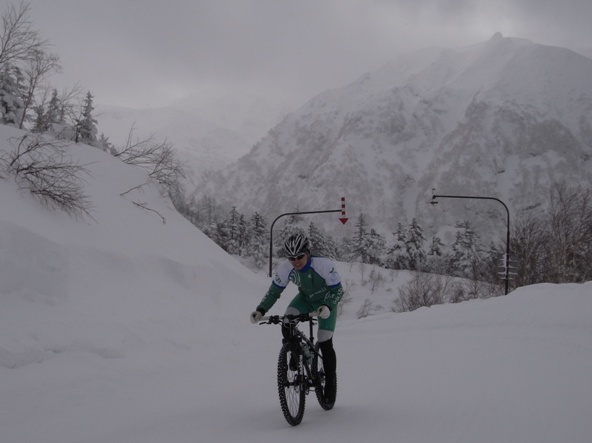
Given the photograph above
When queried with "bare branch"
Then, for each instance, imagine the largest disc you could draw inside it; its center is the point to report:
(18, 40)
(158, 159)
(44, 168)
(143, 206)
(41, 64)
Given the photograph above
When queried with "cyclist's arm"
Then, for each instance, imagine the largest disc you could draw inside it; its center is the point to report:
(271, 296)
(326, 269)
(279, 283)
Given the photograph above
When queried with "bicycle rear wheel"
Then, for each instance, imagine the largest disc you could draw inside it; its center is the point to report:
(291, 388)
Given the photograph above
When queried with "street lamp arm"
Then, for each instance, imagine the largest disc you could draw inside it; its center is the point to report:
(434, 197)
(284, 215)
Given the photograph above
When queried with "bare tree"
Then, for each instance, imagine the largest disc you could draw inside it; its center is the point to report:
(556, 248)
(368, 308)
(44, 168)
(69, 102)
(470, 289)
(570, 234)
(423, 290)
(41, 64)
(529, 242)
(158, 159)
(18, 40)
(376, 279)
(348, 287)
(24, 51)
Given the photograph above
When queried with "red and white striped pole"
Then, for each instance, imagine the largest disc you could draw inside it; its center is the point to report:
(343, 218)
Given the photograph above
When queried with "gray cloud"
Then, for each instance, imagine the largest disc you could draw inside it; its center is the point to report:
(141, 53)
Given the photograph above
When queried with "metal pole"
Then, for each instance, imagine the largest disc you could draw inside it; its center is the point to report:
(507, 276)
(282, 215)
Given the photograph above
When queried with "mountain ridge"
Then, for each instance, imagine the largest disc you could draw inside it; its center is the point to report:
(498, 117)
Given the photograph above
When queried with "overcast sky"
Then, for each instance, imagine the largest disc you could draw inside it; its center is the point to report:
(148, 53)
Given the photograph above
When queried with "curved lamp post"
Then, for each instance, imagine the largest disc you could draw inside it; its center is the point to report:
(282, 215)
(507, 260)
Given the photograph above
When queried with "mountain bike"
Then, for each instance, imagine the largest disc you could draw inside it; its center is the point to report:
(300, 367)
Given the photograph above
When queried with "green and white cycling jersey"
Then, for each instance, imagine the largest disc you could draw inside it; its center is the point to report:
(318, 284)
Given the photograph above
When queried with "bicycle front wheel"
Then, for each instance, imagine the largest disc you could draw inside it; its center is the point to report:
(291, 388)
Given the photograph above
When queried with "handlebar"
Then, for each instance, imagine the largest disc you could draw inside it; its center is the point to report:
(295, 318)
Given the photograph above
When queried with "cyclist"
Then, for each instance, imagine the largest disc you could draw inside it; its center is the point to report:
(319, 289)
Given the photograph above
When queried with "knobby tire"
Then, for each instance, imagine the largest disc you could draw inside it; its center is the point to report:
(291, 389)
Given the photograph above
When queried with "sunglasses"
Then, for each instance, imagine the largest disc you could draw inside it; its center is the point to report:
(298, 257)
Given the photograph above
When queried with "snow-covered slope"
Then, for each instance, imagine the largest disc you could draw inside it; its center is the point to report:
(68, 285)
(505, 118)
(123, 328)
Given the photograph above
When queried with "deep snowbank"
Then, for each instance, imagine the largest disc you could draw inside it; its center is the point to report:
(127, 329)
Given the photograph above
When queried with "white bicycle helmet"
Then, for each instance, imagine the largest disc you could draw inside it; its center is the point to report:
(296, 244)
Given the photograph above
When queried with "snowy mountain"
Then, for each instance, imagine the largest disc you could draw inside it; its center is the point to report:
(505, 118)
(587, 52)
(208, 133)
(123, 328)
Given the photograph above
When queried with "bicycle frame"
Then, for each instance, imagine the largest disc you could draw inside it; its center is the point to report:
(294, 384)
(296, 334)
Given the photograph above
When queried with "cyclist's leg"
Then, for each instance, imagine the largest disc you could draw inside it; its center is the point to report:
(327, 327)
(329, 356)
(325, 336)
(298, 305)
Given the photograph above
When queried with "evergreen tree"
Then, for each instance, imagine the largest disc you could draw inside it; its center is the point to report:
(220, 236)
(104, 144)
(208, 212)
(55, 113)
(12, 107)
(39, 119)
(466, 251)
(435, 259)
(258, 226)
(232, 226)
(316, 239)
(330, 248)
(204, 213)
(360, 240)
(375, 247)
(49, 117)
(414, 246)
(436, 246)
(86, 126)
(322, 244)
(36, 68)
(492, 258)
(258, 240)
(345, 249)
(397, 257)
(243, 233)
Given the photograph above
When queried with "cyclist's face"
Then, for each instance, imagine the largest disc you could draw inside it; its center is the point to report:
(299, 262)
